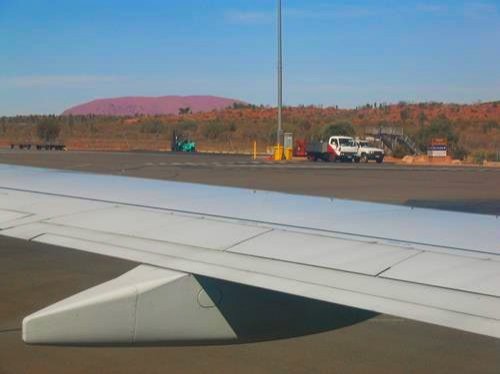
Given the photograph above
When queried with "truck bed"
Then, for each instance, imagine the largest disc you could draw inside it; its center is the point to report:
(317, 147)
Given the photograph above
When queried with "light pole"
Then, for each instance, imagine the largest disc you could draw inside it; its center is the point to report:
(280, 77)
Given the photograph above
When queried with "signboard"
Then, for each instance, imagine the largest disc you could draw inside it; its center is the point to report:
(438, 148)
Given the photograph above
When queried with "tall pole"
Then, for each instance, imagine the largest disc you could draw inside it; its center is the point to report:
(280, 76)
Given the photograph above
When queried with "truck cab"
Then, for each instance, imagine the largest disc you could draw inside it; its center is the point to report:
(342, 148)
(365, 152)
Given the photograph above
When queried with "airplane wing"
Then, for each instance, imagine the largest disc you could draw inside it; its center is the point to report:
(427, 265)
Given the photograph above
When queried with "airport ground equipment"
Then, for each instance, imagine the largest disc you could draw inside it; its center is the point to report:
(226, 265)
(367, 152)
(391, 137)
(337, 148)
(180, 144)
(288, 145)
(299, 150)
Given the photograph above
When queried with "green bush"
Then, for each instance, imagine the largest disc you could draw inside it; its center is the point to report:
(400, 151)
(422, 118)
(48, 130)
(490, 125)
(153, 127)
(440, 127)
(340, 128)
(213, 130)
(458, 152)
(479, 156)
(405, 114)
(482, 155)
(187, 126)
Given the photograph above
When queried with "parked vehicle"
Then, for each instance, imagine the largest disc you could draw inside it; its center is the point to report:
(179, 144)
(366, 152)
(39, 147)
(299, 149)
(337, 148)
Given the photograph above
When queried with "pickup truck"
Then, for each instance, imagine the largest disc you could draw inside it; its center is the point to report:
(338, 148)
(366, 152)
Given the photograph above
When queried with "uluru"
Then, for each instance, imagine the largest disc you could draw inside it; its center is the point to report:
(142, 105)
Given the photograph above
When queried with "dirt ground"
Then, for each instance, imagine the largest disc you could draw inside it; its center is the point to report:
(33, 276)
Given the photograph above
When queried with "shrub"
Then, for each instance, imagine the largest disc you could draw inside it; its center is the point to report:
(458, 152)
(238, 105)
(213, 130)
(479, 156)
(187, 126)
(490, 125)
(405, 114)
(48, 130)
(422, 118)
(340, 128)
(440, 127)
(400, 151)
(153, 127)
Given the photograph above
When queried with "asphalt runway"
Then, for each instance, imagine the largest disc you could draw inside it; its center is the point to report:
(33, 275)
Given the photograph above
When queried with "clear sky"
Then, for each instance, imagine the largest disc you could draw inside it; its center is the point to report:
(58, 53)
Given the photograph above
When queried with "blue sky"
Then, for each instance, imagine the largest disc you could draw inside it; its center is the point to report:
(58, 53)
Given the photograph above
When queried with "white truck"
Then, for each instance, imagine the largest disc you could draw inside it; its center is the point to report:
(366, 152)
(338, 148)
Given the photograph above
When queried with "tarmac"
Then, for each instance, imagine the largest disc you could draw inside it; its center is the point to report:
(34, 276)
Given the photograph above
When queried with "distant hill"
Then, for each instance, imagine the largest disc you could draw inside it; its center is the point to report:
(130, 106)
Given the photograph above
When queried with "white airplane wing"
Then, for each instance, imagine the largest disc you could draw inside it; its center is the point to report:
(192, 241)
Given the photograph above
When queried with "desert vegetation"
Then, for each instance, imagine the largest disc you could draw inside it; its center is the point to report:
(472, 131)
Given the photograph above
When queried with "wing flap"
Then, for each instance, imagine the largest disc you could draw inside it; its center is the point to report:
(480, 276)
(323, 251)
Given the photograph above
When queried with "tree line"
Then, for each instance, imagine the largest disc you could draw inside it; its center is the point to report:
(244, 123)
